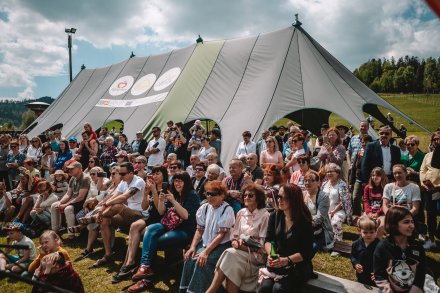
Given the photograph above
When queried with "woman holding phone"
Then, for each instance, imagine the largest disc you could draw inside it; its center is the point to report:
(177, 208)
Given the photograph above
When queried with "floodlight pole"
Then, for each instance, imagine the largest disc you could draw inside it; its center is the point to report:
(69, 45)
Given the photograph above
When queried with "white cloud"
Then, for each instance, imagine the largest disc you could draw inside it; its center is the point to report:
(33, 42)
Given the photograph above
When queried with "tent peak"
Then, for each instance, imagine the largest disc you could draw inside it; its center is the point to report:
(297, 23)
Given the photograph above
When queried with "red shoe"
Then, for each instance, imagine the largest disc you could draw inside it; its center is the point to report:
(140, 286)
(143, 272)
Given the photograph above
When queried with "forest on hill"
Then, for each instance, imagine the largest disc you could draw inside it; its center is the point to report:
(13, 112)
(406, 75)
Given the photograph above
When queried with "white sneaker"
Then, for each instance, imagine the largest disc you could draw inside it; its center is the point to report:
(429, 244)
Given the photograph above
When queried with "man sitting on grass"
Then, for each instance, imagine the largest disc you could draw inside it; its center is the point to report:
(122, 209)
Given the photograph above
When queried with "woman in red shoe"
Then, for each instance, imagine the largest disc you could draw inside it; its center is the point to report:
(178, 208)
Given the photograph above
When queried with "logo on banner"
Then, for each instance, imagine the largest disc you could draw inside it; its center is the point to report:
(166, 79)
(121, 85)
(143, 84)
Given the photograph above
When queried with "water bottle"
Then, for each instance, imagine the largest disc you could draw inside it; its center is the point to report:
(273, 251)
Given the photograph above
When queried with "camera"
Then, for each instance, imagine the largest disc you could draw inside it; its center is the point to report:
(101, 174)
(165, 186)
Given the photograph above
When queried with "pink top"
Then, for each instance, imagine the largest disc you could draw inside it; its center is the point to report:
(275, 158)
(251, 224)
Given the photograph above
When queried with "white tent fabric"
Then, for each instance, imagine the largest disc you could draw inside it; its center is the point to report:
(242, 84)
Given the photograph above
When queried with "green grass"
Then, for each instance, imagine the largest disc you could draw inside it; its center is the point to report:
(168, 275)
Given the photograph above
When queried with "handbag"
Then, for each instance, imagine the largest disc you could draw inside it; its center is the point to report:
(171, 220)
(249, 241)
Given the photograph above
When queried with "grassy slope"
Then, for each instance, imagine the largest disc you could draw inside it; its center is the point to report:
(422, 109)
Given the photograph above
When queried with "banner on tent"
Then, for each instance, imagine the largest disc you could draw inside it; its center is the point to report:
(106, 103)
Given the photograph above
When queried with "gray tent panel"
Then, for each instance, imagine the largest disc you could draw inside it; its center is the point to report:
(256, 89)
(224, 80)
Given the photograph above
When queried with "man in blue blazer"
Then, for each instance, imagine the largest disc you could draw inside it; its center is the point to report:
(380, 153)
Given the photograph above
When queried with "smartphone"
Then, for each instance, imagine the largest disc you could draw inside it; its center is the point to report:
(156, 144)
(102, 174)
(165, 186)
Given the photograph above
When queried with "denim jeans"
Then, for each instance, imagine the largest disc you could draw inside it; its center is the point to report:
(157, 236)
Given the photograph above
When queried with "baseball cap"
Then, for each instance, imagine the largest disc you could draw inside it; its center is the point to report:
(14, 226)
(74, 165)
(72, 138)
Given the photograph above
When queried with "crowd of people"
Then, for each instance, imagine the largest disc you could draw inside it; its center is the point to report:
(254, 228)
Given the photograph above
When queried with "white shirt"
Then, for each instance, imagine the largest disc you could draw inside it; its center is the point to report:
(246, 149)
(157, 158)
(134, 201)
(190, 170)
(403, 196)
(3, 205)
(386, 158)
(214, 219)
(34, 153)
(28, 242)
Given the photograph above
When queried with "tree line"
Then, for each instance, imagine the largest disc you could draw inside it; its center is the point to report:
(406, 75)
(14, 115)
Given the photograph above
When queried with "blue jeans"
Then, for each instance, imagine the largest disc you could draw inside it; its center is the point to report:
(157, 236)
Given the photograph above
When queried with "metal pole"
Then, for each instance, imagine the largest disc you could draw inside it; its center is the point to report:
(69, 45)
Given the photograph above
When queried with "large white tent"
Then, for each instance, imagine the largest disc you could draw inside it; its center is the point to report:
(241, 84)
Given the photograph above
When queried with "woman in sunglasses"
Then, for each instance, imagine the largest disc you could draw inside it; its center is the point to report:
(239, 264)
(214, 222)
(178, 207)
(288, 244)
(413, 159)
(298, 150)
(93, 205)
(93, 162)
(34, 151)
(272, 180)
(297, 177)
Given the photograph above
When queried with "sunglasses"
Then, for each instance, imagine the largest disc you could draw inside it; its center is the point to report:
(212, 193)
(301, 161)
(199, 169)
(248, 195)
(173, 167)
(14, 146)
(122, 174)
(384, 133)
(114, 173)
(92, 174)
(410, 144)
(138, 162)
(34, 141)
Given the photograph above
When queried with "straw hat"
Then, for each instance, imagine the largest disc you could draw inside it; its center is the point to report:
(59, 172)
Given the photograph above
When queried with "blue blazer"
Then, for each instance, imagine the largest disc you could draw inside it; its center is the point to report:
(373, 158)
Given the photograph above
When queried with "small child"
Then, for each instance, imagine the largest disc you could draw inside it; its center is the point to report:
(56, 271)
(60, 183)
(49, 242)
(20, 262)
(362, 250)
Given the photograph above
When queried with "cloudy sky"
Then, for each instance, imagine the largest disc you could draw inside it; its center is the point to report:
(33, 44)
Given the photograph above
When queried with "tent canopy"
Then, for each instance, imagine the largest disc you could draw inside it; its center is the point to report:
(241, 84)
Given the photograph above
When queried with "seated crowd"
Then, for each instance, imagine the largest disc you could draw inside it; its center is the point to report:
(255, 230)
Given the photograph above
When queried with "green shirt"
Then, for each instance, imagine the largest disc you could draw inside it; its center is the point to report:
(415, 162)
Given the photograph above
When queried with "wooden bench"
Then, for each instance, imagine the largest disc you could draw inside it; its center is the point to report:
(331, 284)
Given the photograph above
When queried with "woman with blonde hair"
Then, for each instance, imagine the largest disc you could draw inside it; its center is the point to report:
(271, 155)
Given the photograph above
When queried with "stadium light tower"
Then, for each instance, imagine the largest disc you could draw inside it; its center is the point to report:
(70, 32)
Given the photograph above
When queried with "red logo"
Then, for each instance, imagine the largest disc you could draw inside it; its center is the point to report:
(122, 84)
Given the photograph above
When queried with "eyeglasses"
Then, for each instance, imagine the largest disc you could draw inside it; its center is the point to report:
(92, 174)
(122, 174)
(248, 195)
(384, 133)
(212, 193)
(410, 144)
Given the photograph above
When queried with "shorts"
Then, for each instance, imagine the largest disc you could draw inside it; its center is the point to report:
(13, 258)
(126, 217)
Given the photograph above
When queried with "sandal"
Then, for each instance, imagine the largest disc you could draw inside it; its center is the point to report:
(75, 229)
(84, 254)
(87, 220)
(124, 272)
(105, 260)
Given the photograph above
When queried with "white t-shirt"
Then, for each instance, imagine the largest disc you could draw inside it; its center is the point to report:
(134, 201)
(215, 219)
(28, 242)
(246, 149)
(403, 196)
(157, 158)
(3, 205)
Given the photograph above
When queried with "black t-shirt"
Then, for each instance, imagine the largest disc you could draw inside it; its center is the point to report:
(257, 173)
